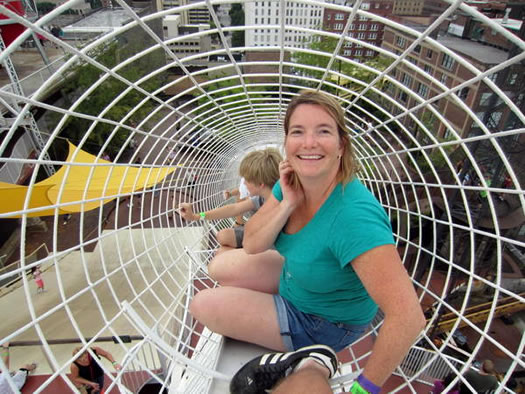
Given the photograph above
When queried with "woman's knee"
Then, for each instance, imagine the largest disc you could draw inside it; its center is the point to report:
(216, 267)
(226, 237)
(200, 305)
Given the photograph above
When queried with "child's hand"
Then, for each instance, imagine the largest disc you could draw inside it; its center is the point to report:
(186, 211)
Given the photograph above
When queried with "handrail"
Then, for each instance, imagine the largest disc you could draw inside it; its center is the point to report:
(65, 341)
(140, 364)
(417, 358)
(31, 258)
(479, 313)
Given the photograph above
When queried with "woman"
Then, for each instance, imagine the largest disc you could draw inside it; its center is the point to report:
(87, 372)
(340, 260)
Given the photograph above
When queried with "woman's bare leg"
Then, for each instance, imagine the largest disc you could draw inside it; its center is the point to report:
(242, 314)
(258, 272)
(226, 237)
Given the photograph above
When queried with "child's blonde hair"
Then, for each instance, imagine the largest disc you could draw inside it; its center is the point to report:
(261, 166)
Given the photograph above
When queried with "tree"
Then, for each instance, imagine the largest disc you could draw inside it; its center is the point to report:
(85, 75)
(45, 7)
(237, 19)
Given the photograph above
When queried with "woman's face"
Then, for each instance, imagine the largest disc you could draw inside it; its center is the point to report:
(313, 146)
(84, 357)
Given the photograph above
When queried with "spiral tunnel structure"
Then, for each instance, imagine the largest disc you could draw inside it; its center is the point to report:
(440, 144)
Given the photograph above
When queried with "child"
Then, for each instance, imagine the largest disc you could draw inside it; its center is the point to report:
(240, 194)
(260, 170)
(37, 275)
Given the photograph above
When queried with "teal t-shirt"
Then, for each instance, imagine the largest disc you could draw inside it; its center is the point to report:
(317, 277)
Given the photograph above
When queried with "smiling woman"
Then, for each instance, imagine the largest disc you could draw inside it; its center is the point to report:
(338, 248)
(313, 145)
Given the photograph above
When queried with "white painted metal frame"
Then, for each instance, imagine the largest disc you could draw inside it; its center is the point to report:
(212, 124)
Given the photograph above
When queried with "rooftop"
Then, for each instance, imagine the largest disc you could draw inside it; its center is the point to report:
(482, 54)
(105, 19)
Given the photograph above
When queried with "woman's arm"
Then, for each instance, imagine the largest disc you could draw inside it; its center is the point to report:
(386, 280)
(108, 356)
(263, 228)
(77, 380)
(227, 211)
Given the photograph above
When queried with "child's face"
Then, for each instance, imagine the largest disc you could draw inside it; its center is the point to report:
(253, 188)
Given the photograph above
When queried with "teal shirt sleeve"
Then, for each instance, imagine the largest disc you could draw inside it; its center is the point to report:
(360, 227)
(277, 191)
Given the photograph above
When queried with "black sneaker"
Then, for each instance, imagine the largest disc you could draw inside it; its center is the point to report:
(263, 372)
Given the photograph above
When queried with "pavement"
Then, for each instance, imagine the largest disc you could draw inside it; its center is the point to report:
(85, 289)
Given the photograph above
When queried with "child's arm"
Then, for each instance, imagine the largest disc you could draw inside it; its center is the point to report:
(227, 211)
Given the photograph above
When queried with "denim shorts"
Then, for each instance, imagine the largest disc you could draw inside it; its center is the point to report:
(239, 235)
(300, 329)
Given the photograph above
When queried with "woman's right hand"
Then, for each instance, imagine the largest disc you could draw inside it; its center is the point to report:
(95, 386)
(186, 211)
(292, 196)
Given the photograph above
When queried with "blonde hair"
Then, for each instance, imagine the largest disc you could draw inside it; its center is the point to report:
(261, 166)
(348, 166)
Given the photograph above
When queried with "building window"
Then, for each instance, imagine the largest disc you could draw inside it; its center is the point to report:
(494, 119)
(429, 53)
(443, 79)
(407, 80)
(363, 18)
(359, 52)
(401, 41)
(417, 49)
(493, 77)
(338, 26)
(347, 52)
(362, 26)
(447, 62)
(339, 16)
(365, 6)
(361, 36)
(374, 27)
(369, 53)
(486, 97)
(348, 44)
(372, 36)
(463, 93)
(328, 16)
(403, 97)
(422, 89)
(351, 35)
(427, 69)
(513, 78)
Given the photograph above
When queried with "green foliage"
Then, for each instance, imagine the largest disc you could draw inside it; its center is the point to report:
(237, 15)
(45, 7)
(237, 19)
(328, 45)
(85, 75)
(231, 88)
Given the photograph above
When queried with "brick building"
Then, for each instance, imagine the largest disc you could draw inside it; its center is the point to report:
(432, 62)
(362, 28)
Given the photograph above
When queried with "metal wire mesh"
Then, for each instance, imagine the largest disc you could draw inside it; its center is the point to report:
(449, 176)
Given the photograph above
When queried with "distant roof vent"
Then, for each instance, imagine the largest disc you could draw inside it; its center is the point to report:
(506, 17)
